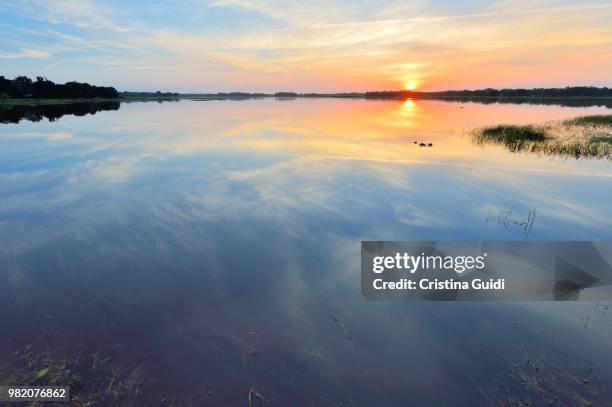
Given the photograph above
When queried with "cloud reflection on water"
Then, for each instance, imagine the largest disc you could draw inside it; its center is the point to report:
(202, 221)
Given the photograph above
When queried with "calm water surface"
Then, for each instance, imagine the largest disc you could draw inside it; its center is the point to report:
(185, 252)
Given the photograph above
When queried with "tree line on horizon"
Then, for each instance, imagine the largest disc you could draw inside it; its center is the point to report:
(23, 87)
(567, 92)
(158, 94)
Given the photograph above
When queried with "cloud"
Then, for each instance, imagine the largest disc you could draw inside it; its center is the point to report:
(80, 13)
(25, 53)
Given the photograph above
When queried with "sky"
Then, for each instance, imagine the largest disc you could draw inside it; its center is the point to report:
(303, 46)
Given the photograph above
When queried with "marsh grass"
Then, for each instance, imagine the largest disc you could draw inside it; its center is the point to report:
(597, 119)
(585, 136)
(511, 134)
(601, 139)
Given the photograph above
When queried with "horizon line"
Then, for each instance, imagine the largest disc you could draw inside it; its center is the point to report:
(272, 93)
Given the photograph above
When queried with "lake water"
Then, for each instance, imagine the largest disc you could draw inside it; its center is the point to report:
(186, 252)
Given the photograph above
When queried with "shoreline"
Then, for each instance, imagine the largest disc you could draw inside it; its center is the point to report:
(587, 101)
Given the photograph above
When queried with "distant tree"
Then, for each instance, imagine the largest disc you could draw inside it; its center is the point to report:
(286, 94)
(42, 88)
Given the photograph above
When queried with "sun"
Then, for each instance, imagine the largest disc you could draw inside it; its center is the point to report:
(410, 86)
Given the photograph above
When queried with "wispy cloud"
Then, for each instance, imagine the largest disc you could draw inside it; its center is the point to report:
(53, 65)
(24, 53)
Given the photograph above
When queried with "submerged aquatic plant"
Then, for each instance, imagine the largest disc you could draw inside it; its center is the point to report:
(585, 136)
(42, 373)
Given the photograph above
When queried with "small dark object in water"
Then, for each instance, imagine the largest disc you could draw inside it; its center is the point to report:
(312, 353)
(586, 321)
(429, 145)
(255, 395)
(422, 144)
(251, 397)
(346, 331)
(414, 142)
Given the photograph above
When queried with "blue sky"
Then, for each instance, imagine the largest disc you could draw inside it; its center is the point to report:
(271, 45)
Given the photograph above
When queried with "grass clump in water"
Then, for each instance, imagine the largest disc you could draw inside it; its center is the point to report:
(513, 134)
(601, 139)
(585, 136)
(514, 138)
(597, 119)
